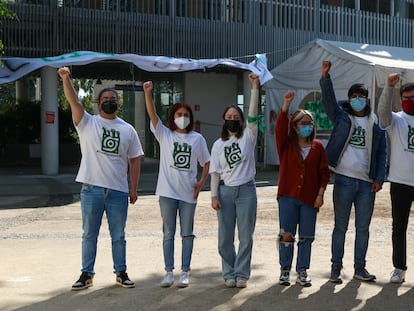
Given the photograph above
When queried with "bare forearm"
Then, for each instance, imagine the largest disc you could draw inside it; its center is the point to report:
(72, 97)
(134, 172)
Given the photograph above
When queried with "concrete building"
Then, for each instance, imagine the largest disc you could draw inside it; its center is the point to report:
(195, 29)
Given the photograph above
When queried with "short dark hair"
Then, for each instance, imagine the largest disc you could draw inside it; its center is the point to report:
(171, 124)
(107, 89)
(358, 88)
(406, 87)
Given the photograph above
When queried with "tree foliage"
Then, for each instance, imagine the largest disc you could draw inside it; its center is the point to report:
(20, 121)
(5, 13)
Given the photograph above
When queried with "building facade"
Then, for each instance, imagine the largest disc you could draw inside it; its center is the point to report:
(236, 29)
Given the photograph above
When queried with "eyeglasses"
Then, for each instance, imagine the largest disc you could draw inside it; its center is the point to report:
(305, 123)
(359, 96)
(408, 97)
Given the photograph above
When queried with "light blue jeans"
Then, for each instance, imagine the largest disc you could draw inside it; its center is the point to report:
(238, 206)
(346, 191)
(169, 209)
(94, 201)
(293, 214)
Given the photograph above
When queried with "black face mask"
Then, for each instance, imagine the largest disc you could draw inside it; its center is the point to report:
(109, 106)
(232, 125)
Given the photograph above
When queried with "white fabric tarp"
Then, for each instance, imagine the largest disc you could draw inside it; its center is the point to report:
(351, 63)
(13, 68)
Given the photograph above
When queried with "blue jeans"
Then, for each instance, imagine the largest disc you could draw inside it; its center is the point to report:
(169, 208)
(346, 191)
(238, 205)
(94, 201)
(293, 214)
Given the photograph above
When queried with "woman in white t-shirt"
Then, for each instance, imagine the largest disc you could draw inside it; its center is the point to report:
(233, 189)
(181, 150)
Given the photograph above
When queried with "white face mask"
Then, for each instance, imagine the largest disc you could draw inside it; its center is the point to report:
(182, 122)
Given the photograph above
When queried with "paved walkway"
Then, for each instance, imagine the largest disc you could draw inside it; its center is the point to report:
(27, 187)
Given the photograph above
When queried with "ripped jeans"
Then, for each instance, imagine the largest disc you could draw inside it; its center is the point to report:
(294, 213)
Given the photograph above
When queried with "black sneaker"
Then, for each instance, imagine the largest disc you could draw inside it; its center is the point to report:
(363, 275)
(85, 281)
(123, 280)
(336, 275)
(284, 278)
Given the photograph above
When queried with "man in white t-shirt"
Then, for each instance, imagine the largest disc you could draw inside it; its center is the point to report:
(109, 146)
(400, 129)
(356, 153)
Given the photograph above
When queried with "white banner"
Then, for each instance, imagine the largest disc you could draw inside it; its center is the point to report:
(13, 68)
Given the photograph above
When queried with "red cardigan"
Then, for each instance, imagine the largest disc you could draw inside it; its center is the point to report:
(300, 179)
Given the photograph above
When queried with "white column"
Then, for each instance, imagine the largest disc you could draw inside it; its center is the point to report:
(22, 90)
(49, 122)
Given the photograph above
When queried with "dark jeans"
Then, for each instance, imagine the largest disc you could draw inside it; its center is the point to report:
(401, 198)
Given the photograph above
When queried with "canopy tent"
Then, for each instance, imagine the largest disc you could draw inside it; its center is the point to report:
(351, 63)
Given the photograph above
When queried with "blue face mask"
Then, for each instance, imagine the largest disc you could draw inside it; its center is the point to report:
(358, 104)
(305, 130)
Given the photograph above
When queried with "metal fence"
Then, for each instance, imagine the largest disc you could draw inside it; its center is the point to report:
(192, 28)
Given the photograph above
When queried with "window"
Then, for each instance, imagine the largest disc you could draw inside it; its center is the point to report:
(376, 6)
(404, 9)
(341, 3)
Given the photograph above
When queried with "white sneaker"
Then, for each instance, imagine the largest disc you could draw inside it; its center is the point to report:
(397, 276)
(184, 280)
(241, 283)
(168, 279)
(230, 283)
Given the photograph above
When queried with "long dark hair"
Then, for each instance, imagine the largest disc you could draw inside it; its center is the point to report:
(173, 109)
(224, 132)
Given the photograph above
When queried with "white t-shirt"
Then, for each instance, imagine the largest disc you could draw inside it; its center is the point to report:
(180, 154)
(401, 139)
(234, 159)
(354, 160)
(106, 146)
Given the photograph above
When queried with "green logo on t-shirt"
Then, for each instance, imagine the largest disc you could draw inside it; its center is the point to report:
(410, 142)
(358, 137)
(232, 154)
(182, 155)
(110, 141)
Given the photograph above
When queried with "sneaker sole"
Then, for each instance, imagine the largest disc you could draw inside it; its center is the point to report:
(82, 288)
(305, 284)
(360, 278)
(182, 285)
(336, 281)
(284, 283)
(165, 285)
(125, 285)
(398, 282)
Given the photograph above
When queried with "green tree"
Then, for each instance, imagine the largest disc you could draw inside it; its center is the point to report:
(20, 121)
(5, 13)
(67, 130)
